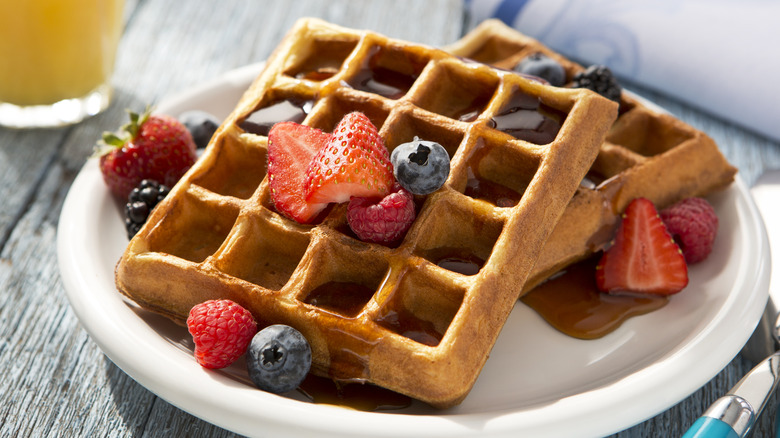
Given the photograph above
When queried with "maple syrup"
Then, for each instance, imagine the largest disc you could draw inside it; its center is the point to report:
(460, 260)
(393, 83)
(408, 325)
(288, 110)
(382, 81)
(525, 117)
(358, 396)
(486, 190)
(573, 304)
(324, 60)
(478, 187)
(344, 298)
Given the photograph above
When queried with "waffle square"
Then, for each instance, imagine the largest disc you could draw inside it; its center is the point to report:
(647, 154)
(399, 317)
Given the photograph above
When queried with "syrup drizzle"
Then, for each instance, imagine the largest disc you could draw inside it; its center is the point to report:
(525, 117)
(261, 121)
(572, 303)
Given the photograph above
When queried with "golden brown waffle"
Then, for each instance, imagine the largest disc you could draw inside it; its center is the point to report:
(646, 154)
(389, 316)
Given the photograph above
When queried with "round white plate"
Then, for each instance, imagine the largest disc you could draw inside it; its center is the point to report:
(537, 381)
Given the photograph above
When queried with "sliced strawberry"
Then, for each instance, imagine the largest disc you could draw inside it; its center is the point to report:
(291, 147)
(354, 163)
(643, 258)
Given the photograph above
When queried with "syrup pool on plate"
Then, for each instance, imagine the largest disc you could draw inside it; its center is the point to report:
(572, 303)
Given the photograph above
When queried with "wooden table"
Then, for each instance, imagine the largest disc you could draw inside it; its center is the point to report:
(54, 380)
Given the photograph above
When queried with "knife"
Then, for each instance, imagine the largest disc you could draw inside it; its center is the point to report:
(734, 414)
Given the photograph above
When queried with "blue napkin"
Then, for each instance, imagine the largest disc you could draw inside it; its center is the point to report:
(722, 56)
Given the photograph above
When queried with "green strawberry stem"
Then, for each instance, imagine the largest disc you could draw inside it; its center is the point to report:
(127, 132)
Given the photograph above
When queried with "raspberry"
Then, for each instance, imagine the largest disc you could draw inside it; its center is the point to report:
(693, 224)
(222, 331)
(385, 221)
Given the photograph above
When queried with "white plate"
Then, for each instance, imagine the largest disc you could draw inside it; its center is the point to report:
(537, 382)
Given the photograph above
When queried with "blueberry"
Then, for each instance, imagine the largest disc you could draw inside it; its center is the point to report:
(420, 166)
(201, 125)
(542, 66)
(278, 359)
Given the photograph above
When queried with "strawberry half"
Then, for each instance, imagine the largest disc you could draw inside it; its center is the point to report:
(291, 147)
(643, 258)
(150, 146)
(355, 162)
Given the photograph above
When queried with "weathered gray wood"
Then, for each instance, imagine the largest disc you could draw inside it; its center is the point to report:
(55, 380)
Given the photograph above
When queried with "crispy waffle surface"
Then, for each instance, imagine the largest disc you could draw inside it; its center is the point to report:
(647, 153)
(391, 316)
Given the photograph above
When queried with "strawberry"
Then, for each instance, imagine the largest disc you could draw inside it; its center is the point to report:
(643, 258)
(155, 147)
(291, 147)
(355, 162)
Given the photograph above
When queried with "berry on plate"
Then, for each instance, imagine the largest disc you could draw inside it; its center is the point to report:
(278, 359)
(384, 220)
(291, 148)
(140, 203)
(355, 162)
(542, 66)
(150, 146)
(221, 330)
(643, 257)
(420, 166)
(693, 224)
(201, 124)
(599, 78)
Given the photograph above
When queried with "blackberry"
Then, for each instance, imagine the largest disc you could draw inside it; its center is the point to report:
(140, 203)
(598, 78)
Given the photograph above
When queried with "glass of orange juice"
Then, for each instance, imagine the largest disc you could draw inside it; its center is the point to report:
(56, 60)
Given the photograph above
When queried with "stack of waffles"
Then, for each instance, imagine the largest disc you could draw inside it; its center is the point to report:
(647, 153)
(515, 208)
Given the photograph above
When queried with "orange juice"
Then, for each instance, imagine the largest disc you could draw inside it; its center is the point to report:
(52, 50)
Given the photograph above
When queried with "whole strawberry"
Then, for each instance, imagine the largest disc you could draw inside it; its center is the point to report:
(150, 146)
(221, 330)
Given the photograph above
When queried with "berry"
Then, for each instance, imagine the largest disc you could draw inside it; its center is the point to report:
(222, 330)
(354, 163)
(156, 147)
(420, 166)
(693, 224)
(291, 147)
(384, 220)
(599, 79)
(643, 257)
(140, 203)
(278, 359)
(202, 126)
(542, 66)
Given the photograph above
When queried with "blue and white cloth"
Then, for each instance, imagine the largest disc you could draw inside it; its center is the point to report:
(722, 56)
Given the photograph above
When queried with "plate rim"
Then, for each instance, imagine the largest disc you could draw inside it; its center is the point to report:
(94, 197)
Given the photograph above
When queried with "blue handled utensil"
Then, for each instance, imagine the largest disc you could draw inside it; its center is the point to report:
(734, 414)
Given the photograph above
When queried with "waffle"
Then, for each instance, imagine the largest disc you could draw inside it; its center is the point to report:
(646, 154)
(405, 317)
